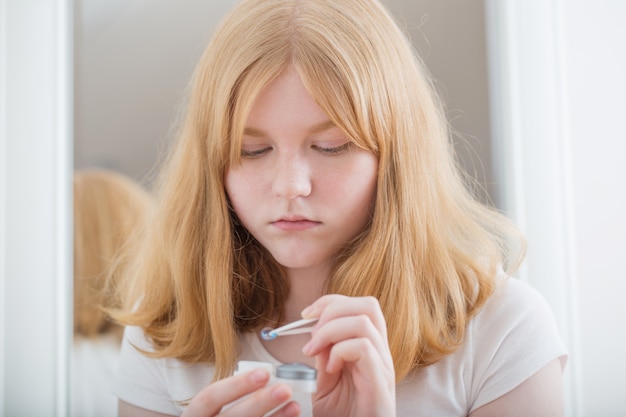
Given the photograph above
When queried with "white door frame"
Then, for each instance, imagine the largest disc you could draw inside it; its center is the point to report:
(531, 155)
(35, 206)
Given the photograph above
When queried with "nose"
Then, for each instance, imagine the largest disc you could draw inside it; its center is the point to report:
(292, 178)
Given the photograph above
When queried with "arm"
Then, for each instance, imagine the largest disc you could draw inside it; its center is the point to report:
(540, 395)
(245, 394)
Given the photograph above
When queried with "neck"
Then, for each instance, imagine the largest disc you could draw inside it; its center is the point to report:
(306, 286)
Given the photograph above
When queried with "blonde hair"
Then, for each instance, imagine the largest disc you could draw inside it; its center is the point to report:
(431, 250)
(108, 207)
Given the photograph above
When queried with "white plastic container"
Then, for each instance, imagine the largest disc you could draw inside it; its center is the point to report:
(245, 366)
(301, 377)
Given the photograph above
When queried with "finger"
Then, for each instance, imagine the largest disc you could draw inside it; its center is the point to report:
(345, 328)
(355, 359)
(326, 382)
(315, 309)
(210, 400)
(291, 409)
(352, 351)
(356, 351)
(342, 328)
(261, 402)
(374, 383)
(332, 306)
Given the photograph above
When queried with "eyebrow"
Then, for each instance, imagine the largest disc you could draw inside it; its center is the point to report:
(317, 128)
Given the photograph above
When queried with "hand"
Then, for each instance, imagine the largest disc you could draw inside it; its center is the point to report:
(261, 399)
(355, 369)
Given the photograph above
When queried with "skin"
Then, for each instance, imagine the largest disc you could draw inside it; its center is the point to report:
(540, 395)
(303, 190)
(210, 400)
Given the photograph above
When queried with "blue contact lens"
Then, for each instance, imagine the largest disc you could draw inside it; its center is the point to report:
(268, 334)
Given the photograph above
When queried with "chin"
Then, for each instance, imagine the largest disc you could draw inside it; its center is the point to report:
(298, 261)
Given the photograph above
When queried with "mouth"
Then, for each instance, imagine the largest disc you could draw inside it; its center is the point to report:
(295, 223)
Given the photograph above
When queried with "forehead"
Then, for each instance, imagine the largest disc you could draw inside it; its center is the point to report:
(287, 102)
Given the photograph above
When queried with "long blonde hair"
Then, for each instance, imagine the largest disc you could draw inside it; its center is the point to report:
(431, 251)
(108, 208)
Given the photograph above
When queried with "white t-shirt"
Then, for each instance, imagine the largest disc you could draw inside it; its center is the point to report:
(94, 366)
(509, 340)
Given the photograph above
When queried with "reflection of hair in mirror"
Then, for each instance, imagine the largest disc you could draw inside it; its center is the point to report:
(108, 207)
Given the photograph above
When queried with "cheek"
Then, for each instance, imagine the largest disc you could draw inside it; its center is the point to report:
(368, 177)
(237, 189)
(370, 186)
(358, 188)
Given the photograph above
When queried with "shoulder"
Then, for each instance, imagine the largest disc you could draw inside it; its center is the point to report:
(514, 299)
(510, 339)
(515, 317)
(158, 384)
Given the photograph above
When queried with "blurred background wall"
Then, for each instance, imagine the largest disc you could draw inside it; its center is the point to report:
(134, 58)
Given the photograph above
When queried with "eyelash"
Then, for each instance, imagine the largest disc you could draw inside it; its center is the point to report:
(334, 151)
(254, 153)
(328, 151)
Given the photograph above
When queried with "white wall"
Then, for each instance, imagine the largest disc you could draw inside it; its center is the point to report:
(558, 104)
(450, 37)
(133, 60)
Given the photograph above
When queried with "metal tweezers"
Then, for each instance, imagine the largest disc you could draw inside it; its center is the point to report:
(295, 327)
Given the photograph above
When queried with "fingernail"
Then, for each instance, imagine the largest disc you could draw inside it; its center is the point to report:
(281, 393)
(307, 348)
(259, 375)
(291, 410)
(307, 312)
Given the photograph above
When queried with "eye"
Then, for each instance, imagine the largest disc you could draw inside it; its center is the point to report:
(333, 150)
(255, 152)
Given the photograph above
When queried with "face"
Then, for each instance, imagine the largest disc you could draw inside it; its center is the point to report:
(303, 189)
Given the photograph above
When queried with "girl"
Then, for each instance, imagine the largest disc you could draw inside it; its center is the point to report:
(313, 177)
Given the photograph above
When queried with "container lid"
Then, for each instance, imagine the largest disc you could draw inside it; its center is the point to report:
(244, 366)
(296, 371)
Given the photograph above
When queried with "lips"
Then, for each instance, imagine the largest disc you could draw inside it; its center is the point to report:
(295, 223)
